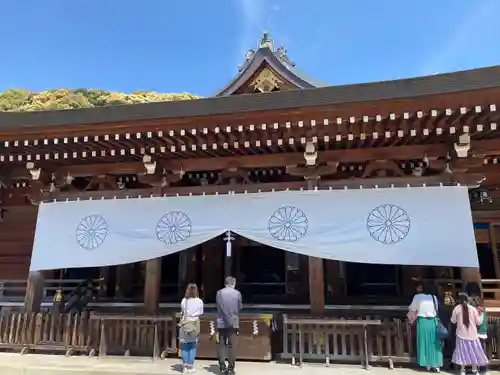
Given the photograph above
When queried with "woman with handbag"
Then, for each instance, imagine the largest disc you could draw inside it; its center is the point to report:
(424, 310)
(468, 349)
(189, 326)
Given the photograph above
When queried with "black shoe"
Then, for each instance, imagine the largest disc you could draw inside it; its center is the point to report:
(223, 370)
(230, 372)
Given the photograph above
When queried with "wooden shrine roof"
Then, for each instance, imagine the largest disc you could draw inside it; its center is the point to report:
(449, 83)
(269, 56)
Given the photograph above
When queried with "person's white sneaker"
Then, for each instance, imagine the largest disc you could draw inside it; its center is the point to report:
(191, 370)
(185, 370)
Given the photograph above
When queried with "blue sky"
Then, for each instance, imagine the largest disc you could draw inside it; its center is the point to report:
(196, 46)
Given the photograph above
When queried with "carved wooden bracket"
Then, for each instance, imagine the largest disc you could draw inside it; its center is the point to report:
(233, 175)
(102, 182)
(313, 172)
(382, 165)
(162, 181)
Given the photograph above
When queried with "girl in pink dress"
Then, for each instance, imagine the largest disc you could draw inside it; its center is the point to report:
(468, 349)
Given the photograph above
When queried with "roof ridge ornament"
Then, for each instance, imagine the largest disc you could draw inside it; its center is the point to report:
(282, 54)
(266, 41)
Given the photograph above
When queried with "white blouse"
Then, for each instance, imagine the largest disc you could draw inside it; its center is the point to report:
(423, 304)
(192, 308)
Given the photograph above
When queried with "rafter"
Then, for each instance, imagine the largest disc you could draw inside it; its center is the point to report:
(246, 132)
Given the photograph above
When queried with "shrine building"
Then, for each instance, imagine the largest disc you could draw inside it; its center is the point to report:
(320, 200)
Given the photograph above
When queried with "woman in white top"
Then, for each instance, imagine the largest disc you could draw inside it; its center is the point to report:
(423, 309)
(189, 326)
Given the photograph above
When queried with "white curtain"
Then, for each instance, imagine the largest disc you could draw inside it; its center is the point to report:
(416, 226)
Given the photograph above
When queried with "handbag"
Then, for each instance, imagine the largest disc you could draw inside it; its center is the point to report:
(189, 327)
(441, 331)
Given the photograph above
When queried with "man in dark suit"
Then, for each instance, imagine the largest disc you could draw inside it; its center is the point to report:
(229, 304)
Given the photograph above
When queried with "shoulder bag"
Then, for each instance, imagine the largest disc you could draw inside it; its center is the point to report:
(441, 331)
(190, 327)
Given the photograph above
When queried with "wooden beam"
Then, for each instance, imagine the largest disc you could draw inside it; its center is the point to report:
(152, 285)
(102, 168)
(283, 159)
(464, 179)
(173, 161)
(245, 161)
(34, 292)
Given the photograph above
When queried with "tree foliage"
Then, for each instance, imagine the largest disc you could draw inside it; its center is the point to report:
(23, 100)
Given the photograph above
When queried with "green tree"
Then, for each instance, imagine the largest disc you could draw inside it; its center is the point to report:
(24, 100)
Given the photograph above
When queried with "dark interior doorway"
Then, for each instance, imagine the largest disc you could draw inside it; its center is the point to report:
(266, 275)
(374, 282)
(169, 285)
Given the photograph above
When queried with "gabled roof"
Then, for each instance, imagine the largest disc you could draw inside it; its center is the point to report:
(276, 59)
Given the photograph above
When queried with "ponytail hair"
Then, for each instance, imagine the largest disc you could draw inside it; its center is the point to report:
(464, 303)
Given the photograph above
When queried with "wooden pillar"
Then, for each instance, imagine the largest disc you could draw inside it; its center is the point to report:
(494, 250)
(152, 285)
(316, 285)
(316, 275)
(34, 292)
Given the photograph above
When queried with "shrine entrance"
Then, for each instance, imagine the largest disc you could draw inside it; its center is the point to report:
(264, 275)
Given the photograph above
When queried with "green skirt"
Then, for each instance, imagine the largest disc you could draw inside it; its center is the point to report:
(429, 348)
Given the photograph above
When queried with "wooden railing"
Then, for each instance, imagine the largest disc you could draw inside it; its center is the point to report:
(60, 333)
(329, 328)
(69, 333)
(154, 336)
(391, 342)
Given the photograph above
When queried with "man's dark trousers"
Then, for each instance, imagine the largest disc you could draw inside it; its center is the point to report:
(226, 348)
